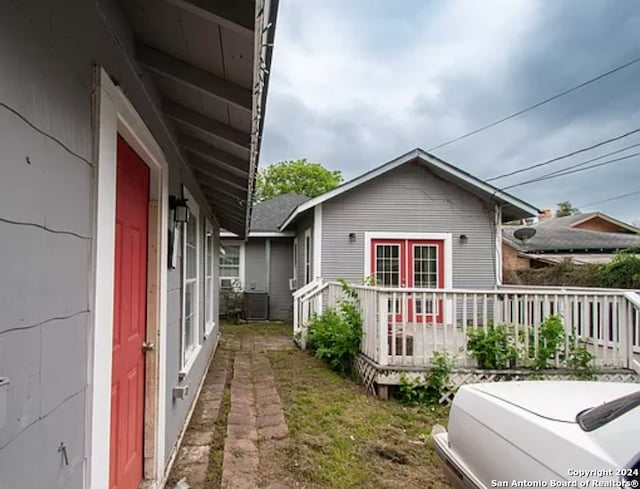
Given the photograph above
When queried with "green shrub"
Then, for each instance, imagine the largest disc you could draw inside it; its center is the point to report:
(550, 342)
(622, 272)
(334, 336)
(494, 348)
(432, 386)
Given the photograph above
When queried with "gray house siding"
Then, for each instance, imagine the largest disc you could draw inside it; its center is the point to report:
(281, 270)
(255, 271)
(274, 279)
(48, 53)
(409, 199)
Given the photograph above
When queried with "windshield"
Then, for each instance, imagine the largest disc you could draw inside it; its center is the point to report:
(595, 417)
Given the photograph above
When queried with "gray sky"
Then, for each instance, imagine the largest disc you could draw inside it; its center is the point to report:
(356, 83)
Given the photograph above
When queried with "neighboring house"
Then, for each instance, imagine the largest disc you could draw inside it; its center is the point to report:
(593, 237)
(262, 265)
(112, 113)
(416, 221)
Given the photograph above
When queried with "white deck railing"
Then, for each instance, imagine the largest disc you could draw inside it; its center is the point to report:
(403, 327)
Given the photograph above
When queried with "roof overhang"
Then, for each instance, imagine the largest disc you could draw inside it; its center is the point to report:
(512, 207)
(209, 62)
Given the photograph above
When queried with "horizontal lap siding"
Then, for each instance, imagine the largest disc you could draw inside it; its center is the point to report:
(280, 298)
(255, 270)
(413, 200)
(48, 53)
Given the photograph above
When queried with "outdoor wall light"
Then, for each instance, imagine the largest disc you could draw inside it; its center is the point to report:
(352, 237)
(180, 209)
(463, 239)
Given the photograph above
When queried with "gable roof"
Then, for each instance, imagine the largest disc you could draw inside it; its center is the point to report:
(269, 214)
(575, 220)
(513, 208)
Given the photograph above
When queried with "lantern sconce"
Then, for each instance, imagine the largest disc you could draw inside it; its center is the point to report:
(352, 237)
(180, 209)
(463, 239)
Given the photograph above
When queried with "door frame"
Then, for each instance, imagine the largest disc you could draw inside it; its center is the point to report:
(447, 245)
(114, 115)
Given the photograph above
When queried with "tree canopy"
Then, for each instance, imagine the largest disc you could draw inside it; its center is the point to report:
(295, 176)
(566, 209)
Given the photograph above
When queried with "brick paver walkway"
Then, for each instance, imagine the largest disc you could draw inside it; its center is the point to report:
(255, 414)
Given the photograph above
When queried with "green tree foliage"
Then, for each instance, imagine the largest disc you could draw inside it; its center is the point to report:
(622, 272)
(295, 176)
(566, 209)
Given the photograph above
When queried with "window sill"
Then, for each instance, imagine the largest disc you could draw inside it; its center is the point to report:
(184, 371)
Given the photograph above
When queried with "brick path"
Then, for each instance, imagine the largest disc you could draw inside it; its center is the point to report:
(255, 415)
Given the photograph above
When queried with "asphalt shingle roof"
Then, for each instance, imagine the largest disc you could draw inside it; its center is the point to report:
(270, 214)
(557, 235)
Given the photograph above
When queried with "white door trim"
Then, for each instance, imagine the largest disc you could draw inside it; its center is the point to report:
(446, 238)
(316, 268)
(114, 115)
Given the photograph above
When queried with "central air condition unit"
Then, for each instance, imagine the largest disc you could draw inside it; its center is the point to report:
(293, 283)
(256, 305)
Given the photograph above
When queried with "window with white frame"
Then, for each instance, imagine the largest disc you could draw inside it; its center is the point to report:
(307, 256)
(208, 277)
(190, 283)
(231, 265)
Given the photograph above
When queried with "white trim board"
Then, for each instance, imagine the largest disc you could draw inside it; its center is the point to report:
(446, 238)
(114, 115)
(317, 242)
(428, 160)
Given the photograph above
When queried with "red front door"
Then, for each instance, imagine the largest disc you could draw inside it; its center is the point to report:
(129, 319)
(410, 263)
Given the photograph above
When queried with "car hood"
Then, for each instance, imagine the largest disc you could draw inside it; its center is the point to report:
(541, 397)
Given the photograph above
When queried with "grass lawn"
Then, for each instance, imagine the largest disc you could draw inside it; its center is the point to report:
(340, 437)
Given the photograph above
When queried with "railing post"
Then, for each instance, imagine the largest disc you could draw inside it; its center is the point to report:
(382, 328)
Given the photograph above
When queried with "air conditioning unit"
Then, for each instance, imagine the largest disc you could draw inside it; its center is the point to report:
(293, 283)
(256, 305)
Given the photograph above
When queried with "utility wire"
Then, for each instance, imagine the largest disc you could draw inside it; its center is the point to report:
(586, 162)
(568, 155)
(537, 104)
(616, 197)
(556, 174)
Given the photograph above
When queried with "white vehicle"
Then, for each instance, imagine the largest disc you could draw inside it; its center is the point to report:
(542, 434)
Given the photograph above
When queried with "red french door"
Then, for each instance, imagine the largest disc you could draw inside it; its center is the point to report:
(400, 263)
(129, 319)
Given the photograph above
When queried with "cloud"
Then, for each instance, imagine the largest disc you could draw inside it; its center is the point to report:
(355, 84)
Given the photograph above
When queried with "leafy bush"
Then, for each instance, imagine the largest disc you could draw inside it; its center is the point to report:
(334, 336)
(430, 389)
(494, 348)
(623, 272)
(550, 342)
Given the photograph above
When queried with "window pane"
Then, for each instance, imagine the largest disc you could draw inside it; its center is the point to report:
(425, 266)
(388, 265)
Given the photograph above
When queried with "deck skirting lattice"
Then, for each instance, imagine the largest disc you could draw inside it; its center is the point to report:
(373, 375)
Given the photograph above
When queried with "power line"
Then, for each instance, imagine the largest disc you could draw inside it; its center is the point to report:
(616, 197)
(537, 104)
(556, 174)
(568, 155)
(586, 162)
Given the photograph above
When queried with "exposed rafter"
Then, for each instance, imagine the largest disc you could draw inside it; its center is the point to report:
(220, 201)
(195, 77)
(216, 157)
(224, 181)
(207, 125)
(237, 15)
(227, 192)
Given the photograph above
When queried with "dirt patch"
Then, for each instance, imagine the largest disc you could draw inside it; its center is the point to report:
(216, 449)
